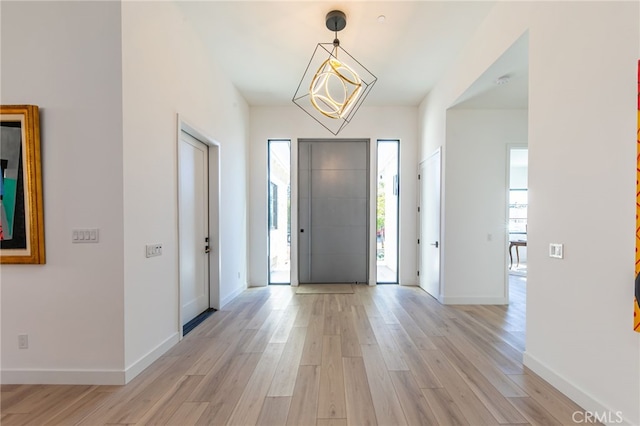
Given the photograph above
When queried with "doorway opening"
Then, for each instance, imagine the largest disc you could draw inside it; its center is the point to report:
(387, 209)
(518, 203)
(279, 211)
(198, 226)
(517, 210)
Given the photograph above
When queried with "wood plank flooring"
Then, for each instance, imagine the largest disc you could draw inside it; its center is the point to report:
(385, 355)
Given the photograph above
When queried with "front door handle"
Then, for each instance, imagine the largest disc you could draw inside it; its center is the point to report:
(435, 244)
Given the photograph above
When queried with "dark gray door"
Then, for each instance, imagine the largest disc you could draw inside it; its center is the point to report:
(333, 200)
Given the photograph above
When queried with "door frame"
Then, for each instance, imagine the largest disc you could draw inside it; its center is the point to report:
(420, 243)
(214, 213)
(510, 146)
(295, 210)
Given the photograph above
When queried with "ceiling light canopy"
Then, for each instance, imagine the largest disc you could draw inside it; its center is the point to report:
(505, 79)
(335, 84)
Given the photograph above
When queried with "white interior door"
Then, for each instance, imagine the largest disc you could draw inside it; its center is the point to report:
(193, 210)
(430, 225)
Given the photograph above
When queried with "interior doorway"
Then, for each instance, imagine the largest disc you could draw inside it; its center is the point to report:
(429, 242)
(333, 210)
(518, 203)
(198, 226)
(193, 192)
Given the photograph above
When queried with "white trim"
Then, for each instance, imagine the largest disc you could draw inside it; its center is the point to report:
(235, 293)
(137, 367)
(63, 377)
(185, 126)
(471, 300)
(441, 284)
(579, 396)
(510, 147)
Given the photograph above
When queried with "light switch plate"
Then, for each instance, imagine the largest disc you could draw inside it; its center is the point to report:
(556, 250)
(85, 235)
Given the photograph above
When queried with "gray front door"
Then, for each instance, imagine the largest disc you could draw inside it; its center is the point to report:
(333, 200)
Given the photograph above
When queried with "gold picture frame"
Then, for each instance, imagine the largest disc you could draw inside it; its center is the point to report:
(21, 208)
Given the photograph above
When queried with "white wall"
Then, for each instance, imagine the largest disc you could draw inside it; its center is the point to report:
(581, 186)
(65, 57)
(582, 162)
(291, 122)
(475, 210)
(110, 84)
(166, 71)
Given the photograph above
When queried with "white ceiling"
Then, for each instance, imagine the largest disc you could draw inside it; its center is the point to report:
(512, 66)
(265, 46)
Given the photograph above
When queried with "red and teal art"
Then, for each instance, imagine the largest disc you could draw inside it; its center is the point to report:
(636, 300)
(21, 210)
(12, 226)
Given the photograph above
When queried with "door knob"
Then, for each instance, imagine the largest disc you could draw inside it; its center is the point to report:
(435, 244)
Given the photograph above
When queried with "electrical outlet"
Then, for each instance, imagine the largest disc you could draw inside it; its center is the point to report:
(154, 250)
(23, 341)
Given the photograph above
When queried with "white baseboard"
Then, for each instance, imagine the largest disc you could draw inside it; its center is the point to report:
(579, 396)
(137, 367)
(62, 377)
(474, 300)
(86, 377)
(235, 293)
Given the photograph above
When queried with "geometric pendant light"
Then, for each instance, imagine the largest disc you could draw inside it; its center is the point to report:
(335, 84)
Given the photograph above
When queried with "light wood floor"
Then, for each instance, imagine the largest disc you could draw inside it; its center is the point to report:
(384, 355)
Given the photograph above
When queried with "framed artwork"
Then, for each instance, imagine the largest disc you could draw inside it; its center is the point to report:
(21, 209)
(636, 299)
